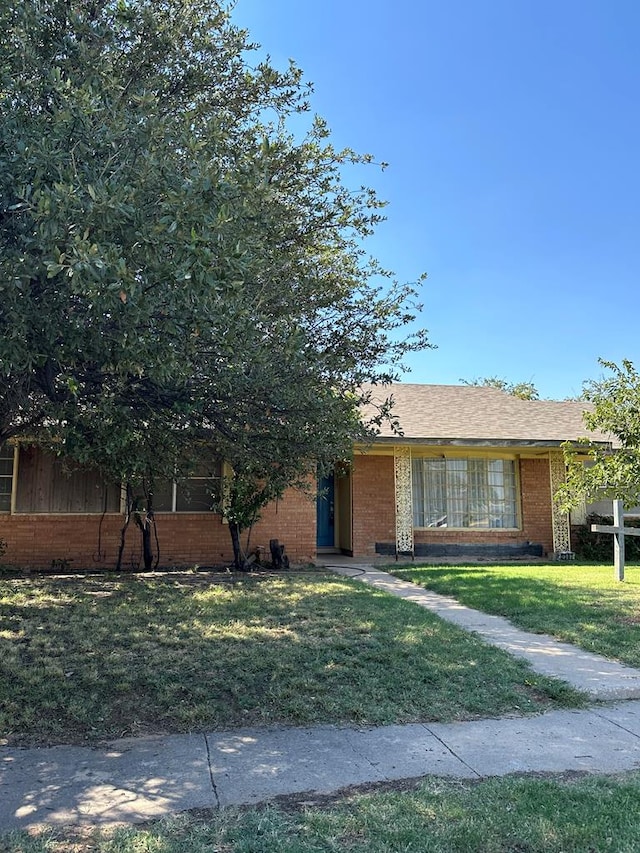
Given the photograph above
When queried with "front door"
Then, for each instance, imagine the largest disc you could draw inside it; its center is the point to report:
(326, 512)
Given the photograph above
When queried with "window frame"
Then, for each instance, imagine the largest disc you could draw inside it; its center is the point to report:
(175, 487)
(14, 449)
(12, 455)
(449, 458)
(20, 509)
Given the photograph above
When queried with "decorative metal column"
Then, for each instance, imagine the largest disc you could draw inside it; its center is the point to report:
(560, 520)
(404, 500)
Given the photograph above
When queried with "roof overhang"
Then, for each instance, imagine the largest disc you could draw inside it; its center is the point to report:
(482, 442)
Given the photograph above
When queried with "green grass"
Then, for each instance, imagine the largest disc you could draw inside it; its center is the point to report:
(86, 659)
(581, 604)
(512, 815)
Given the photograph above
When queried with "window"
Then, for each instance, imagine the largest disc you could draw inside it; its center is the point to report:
(468, 493)
(196, 494)
(6, 477)
(49, 484)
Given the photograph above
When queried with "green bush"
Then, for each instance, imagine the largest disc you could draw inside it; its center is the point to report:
(599, 546)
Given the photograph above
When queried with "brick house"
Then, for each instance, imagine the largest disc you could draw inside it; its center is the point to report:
(472, 472)
(52, 515)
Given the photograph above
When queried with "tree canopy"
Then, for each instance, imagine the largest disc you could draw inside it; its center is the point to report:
(176, 265)
(522, 390)
(615, 411)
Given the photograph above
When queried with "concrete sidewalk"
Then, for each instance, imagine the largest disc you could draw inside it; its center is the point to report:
(139, 779)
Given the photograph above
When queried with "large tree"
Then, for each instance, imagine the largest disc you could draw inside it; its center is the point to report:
(614, 411)
(121, 128)
(175, 266)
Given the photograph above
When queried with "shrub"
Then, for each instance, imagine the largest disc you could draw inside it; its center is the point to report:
(599, 546)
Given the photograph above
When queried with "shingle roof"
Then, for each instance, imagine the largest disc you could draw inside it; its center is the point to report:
(469, 414)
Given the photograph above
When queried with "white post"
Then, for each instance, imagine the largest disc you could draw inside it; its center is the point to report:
(561, 526)
(618, 540)
(404, 500)
(619, 532)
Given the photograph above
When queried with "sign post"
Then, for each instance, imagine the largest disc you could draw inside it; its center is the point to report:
(619, 532)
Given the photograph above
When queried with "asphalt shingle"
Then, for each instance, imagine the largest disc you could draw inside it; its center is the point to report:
(468, 413)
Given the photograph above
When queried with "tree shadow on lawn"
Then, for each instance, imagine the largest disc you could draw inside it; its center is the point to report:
(152, 658)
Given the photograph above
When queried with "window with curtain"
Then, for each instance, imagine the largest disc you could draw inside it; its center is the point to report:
(48, 484)
(468, 493)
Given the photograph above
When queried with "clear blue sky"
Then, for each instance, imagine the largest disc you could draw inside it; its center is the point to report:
(512, 130)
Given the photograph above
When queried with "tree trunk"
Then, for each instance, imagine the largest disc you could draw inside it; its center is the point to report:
(123, 529)
(147, 549)
(239, 560)
(276, 553)
(145, 522)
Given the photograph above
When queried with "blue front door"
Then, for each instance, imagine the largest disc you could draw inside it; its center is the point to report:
(326, 512)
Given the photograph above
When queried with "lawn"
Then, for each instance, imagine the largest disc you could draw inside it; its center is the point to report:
(581, 604)
(511, 815)
(97, 657)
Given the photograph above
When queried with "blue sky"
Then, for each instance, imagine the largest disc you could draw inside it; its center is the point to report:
(512, 133)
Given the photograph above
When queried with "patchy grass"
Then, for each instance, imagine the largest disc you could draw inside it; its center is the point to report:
(512, 815)
(581, 604)
(92, 658)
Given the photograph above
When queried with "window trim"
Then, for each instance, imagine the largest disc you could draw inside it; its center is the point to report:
(19, 512)
(13, 510)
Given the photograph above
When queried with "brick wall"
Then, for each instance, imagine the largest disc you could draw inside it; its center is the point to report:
(374, 510)
(35, 540)
(536, 502)
(374, 513)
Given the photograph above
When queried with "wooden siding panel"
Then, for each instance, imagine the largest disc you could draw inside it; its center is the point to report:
(46, 484)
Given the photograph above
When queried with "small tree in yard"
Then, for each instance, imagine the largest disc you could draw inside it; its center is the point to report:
(294, 423)
(174, 265)
(615, 410)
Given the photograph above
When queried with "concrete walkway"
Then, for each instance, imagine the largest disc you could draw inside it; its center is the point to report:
(139, 779)
(601, 679)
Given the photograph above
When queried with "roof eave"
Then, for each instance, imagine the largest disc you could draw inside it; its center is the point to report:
(481, 442)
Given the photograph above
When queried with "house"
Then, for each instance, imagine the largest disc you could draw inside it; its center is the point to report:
(472, 473)
(468, 471)
(53, 514)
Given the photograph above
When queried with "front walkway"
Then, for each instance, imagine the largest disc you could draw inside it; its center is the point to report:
(601, 679)
(138, 779)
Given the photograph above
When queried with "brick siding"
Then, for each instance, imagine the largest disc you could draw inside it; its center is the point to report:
(535, 485)
(374, 503)
(35, 540)
(374, 510)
